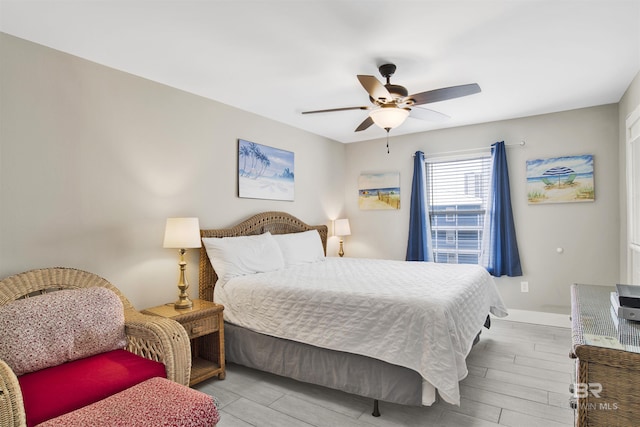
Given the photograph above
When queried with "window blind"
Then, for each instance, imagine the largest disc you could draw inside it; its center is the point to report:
(457, 196)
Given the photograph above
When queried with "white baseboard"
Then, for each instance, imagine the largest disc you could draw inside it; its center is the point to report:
(538, 318)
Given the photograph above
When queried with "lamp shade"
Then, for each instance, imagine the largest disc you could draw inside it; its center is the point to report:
(182, 233)
(341, 227)
(389, 117)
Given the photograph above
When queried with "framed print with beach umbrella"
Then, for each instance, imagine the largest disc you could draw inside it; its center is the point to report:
(560, 180)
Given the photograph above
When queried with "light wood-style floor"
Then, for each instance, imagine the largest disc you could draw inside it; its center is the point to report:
(519, 375)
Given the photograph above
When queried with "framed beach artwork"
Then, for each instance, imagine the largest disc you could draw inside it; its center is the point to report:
(379, 191)
(265, 172)
(560, 180)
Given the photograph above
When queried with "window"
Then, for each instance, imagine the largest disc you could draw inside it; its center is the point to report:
(457, 192)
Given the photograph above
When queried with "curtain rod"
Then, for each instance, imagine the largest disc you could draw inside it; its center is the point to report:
(471, 150)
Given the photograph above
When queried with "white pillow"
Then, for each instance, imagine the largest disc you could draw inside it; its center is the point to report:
(300, 248)
(239, 256)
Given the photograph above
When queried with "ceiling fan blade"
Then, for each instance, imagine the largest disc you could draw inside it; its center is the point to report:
(426, 114)
(376, 90)
(444, 93)
(365, 124)
(335, 109)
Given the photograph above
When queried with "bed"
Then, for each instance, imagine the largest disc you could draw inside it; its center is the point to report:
(342, 322)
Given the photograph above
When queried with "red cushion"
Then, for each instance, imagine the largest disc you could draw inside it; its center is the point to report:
(54, 391)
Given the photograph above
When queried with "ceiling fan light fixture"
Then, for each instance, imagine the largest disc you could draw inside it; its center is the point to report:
(389, 117)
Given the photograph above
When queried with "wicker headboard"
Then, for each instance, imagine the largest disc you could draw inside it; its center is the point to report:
(274, 222)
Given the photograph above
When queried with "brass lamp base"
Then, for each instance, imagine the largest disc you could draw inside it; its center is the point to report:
(183, 299)
(341, 251)
(183, 303)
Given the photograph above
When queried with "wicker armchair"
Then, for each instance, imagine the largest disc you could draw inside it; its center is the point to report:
(152, 337)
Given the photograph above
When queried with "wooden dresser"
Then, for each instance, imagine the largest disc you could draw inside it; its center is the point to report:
(606, 391)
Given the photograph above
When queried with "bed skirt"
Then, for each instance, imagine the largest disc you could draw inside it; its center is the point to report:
(348, 372)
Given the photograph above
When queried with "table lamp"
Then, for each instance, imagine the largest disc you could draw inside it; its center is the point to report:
(182, 234)
(341, 228)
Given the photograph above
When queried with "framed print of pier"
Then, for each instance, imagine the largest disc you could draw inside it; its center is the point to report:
(379, 191)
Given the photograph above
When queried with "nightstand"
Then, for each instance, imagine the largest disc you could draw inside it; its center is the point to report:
(205, 327)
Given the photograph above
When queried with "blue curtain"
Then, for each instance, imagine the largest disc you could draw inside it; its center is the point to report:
(419, 246)
(502, 256)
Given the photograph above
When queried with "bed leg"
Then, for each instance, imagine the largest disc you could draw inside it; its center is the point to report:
(476, 340)
(376, 409)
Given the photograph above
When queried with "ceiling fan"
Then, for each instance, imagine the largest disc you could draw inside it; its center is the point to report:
(392, 104)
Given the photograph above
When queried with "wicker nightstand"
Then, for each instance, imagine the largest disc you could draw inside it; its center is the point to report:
(205, 327)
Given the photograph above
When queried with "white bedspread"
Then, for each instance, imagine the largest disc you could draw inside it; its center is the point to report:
(423, 316)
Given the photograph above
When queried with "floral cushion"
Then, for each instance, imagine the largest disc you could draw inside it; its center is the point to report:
(54, 391)
(57, 327)
(155, 402)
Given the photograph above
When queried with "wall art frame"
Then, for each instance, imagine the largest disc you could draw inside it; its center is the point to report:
(563, 179)
(379, 191)
(265, 172)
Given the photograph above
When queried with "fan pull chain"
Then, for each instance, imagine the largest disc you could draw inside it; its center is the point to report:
(387, 129)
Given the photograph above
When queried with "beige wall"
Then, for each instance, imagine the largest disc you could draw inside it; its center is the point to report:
(93, 160)
(587, 232)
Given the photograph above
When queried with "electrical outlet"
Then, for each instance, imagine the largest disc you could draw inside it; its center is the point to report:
(524, 286)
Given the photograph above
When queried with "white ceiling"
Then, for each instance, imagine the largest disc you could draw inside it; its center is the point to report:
(277, 58)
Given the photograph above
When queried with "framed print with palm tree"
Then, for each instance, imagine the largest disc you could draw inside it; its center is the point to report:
(265, 172)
